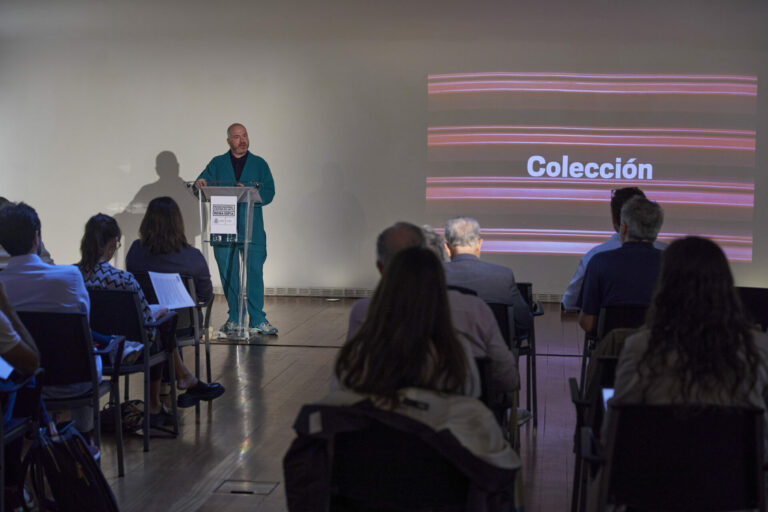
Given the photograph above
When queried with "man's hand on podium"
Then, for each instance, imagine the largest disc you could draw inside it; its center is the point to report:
(200, 183)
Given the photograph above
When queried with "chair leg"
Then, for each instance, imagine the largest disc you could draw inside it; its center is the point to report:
(97, 422)
(584, 357)
(126, 387)
(146, 407)
(532, 379)
(197, 374)
(174, 402)
(576, 491)
(115, 395)
(207, 356)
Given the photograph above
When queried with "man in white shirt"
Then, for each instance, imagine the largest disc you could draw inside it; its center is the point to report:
(33, 285)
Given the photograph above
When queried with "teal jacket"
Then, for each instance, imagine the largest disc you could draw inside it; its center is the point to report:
(219, 172)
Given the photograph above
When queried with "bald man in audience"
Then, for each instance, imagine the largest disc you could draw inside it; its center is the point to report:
(472, 318)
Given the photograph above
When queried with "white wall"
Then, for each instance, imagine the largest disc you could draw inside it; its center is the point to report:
(333, 95)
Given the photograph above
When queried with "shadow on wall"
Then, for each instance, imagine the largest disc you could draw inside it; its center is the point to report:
(169, 184)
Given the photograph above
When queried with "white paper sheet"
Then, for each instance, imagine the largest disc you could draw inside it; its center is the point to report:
(5, 368)
(170, 290)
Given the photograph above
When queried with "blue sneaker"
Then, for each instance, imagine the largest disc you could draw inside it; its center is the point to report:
(227, 329)
(263, 328)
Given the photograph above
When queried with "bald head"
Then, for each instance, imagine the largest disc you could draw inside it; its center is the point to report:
(394, 239)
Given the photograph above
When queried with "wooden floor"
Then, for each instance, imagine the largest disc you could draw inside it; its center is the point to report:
(240, 439)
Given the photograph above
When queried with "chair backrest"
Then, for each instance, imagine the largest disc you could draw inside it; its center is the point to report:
(117, 312)
(185, 324)
(625, 315)
(668, 457)
(484, 371)
(65, 345)
(505, 317)
(382, 468)
(526, 290)
(755, 302)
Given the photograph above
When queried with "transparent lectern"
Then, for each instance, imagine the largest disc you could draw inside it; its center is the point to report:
(221, 232)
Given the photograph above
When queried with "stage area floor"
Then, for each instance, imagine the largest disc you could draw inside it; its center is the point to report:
(240, 439)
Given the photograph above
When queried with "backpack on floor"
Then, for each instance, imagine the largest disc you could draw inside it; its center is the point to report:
(64, 475)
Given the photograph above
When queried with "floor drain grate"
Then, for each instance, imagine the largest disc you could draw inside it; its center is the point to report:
(246, 487)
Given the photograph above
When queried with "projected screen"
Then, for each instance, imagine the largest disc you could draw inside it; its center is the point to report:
(534, 156)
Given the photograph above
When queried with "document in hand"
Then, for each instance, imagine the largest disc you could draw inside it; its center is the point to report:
(170, 290)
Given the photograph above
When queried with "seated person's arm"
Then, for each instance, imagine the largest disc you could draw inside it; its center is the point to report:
(504, 371)
(16, 344)
(587, 322)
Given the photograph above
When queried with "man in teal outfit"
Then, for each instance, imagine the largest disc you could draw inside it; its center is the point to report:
(240, 167)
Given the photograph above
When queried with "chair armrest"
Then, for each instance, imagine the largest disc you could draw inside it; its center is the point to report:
(588, 447)
(160, 321)
(576, 397)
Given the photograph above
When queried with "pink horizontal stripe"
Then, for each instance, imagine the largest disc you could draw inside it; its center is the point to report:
(461, 139)
(592, 75)
(579, 248)
(593, 129)
(594, 87)
(591, 195)
(600, 235)
(592, 182)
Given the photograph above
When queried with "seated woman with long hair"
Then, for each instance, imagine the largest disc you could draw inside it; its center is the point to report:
(98, 246)
(407, 338)
(162, 247)
(698, 347)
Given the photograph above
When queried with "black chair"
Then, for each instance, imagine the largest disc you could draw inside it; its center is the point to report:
(522, 343)
(192, 324)
(364, 459)
(17, 426)
(677, 457)
(119, 312)
(578, 491)
(755, 301)
(610, 318)
(67, 355)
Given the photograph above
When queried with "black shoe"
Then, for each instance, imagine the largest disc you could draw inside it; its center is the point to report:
(200, 391)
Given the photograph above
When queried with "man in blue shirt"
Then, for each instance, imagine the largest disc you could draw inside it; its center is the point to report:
(626, 275)
(618, 198)
(240, 167)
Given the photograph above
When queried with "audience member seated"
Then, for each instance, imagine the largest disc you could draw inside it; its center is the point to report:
(400, 236)
(98, 246)
(16, 345)
(699, 347)
(33, 285)
(493, 283)
(162, 247)
(626, 275)
(4, 256)
(406, 339)
(618, 198)
(473, 320)
(19, 350)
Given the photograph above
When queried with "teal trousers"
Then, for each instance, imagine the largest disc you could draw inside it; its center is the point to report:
(228, 257)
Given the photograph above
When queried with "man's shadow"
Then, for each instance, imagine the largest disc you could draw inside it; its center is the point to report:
(169, 184)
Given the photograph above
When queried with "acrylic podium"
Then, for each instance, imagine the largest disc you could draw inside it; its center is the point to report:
(247, 196)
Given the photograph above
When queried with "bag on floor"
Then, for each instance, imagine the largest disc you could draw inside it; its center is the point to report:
(132, 413)
(64, 475)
